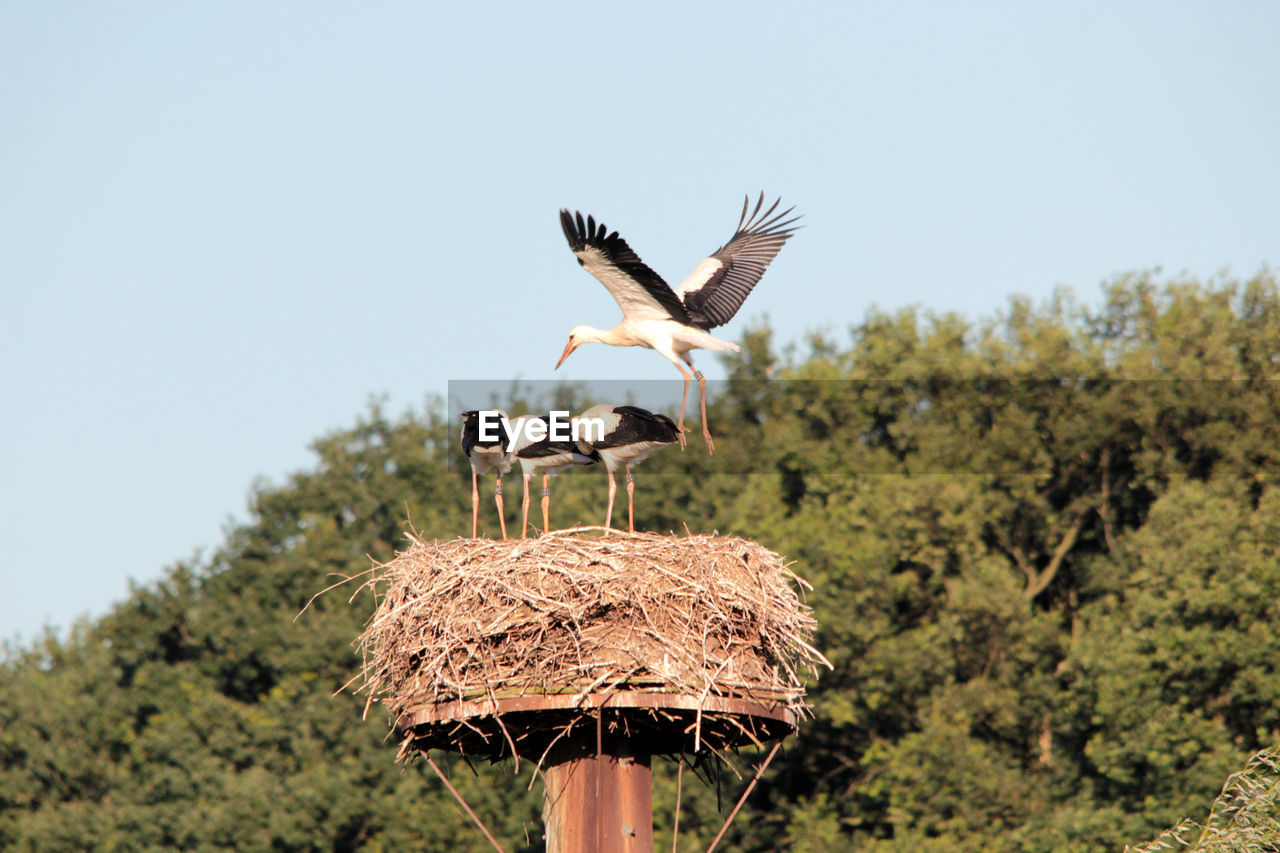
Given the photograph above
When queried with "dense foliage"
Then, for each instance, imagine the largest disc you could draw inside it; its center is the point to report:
(1046, 558)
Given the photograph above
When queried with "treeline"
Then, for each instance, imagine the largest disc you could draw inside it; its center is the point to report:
(1045, 552)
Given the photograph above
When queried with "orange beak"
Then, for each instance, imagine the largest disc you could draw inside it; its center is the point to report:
(568, 350)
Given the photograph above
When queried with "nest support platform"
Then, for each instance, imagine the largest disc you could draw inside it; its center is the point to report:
(666, 723)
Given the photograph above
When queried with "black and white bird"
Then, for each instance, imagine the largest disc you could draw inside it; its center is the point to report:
(630, 434)
(546, 456)
(485, 456)
(674, 322)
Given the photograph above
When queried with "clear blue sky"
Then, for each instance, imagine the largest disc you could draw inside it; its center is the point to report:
(223, 226)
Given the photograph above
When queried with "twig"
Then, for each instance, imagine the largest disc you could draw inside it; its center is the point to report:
(675, 824)
(463, 803)
(743, 798)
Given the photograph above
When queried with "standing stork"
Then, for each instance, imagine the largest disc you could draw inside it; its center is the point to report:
(674, 322)
(630, 435)
(546, 456)
(485, 456)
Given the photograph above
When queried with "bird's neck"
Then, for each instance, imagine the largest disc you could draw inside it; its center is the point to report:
(618, 336)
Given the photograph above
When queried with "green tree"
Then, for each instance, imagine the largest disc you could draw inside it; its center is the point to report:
(201, 714)
(1043, 551)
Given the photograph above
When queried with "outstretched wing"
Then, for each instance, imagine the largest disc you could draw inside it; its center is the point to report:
(719, 285)
(640, 292)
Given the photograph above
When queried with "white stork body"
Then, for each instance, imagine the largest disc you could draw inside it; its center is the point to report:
(630, 435)
(545, 456)
(485, 456)
(675, 322)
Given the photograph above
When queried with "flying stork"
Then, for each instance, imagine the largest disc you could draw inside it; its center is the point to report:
(673, 322)
(546, 456)
(485, 456)
(630, 435)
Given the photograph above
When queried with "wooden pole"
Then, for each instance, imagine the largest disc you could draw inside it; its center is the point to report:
(598, 797)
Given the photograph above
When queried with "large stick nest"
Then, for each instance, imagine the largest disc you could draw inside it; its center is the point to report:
(573, 612)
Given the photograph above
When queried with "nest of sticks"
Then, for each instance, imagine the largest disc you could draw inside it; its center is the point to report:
(497, 648)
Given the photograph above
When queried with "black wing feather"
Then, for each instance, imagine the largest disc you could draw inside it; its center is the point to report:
(582, 235)
(547, 447)
(635, 425)
(743, 261)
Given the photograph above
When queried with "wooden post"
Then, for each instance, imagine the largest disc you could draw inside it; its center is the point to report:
(598, 802)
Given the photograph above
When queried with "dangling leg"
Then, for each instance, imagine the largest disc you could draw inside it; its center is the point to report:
(613, 489)
(524, 527)
(631, 502)
(702, 391)
(683, 397)
(475, 503)
(497, 498)
(546, 503)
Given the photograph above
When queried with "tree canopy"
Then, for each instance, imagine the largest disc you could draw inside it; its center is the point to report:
(1044, 551)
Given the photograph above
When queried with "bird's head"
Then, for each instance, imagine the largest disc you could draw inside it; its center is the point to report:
(579, 336)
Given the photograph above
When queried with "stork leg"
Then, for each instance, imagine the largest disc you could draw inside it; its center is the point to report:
(702, 391)
(524, 526)
(497, 499)
(475, 502)
(683, 398)
(631, 502)
(613, 489)
(546, 503)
